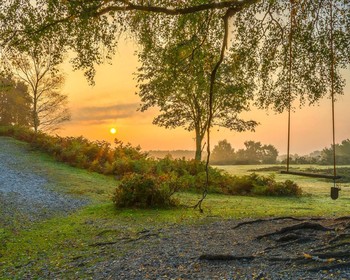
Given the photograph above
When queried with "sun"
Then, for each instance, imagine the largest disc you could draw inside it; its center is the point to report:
(113, 130)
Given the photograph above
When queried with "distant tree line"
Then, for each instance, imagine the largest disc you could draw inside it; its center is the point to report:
(256, 153)
(253, 153)
(14, 103)
(20, 107)
(325, 157)
(342, 152)
(175, 154)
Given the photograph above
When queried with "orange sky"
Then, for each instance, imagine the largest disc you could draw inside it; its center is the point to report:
(112, 103)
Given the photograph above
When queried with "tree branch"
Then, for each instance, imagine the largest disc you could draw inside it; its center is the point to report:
(128, 6)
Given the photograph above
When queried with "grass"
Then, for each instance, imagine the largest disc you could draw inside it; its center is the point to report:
(311, 186)
(59, 244)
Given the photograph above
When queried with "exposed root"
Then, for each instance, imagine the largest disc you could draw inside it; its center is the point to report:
(338, 237)
(331, 247)
(276, 219)
(330, 267)
(103, 243)
(305, 225)
(212, 257)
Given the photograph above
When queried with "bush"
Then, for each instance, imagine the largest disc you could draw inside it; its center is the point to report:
(254, 184)
(127, 161)
(287, 188)
(145, 191)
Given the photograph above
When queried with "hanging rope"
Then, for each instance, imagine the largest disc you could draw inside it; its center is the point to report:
(332, 85)
(334, 177)
(290, 41)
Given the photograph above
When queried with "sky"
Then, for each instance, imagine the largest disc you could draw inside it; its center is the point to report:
(112, 102)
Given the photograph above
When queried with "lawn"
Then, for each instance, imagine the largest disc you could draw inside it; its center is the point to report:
(312, 186)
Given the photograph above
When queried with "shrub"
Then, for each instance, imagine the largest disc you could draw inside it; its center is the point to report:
(145, 191)
(254, 184)
(287, 188)
(125, 160)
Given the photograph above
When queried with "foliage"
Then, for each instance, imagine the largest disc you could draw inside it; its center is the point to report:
(324, 157)
(125, 161)
(260, 30)
(176, 77)
(342, 152)
(254, 153)
(14, 103)
(36, 67)
(96, 156)
(260, 185)
(145, 191)
(223, 153)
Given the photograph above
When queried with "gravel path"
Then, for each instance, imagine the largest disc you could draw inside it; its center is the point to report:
(22, 189)
(174, 253)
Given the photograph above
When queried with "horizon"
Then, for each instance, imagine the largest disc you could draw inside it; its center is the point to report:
(112, 103)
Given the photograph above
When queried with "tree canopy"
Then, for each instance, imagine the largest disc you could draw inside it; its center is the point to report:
(176, 78)
(253, 153)
(36, 67)
(92, 29)
(15, 103)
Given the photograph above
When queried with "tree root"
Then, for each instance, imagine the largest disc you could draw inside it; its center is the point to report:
(266, 220)
(288, 243)
(103, 243)
(338, 237)
(330, 247)
(276, 219)
(212, 257)
(126, 239)
(305, 225)
(330, 267)
(335, 255)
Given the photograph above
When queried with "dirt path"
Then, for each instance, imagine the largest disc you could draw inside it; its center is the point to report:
(23, 196)
(283, 248)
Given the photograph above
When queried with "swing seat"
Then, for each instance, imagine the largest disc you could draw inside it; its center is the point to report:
(335, 192)
(313, 175)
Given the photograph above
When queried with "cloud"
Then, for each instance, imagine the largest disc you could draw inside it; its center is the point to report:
(95, 115)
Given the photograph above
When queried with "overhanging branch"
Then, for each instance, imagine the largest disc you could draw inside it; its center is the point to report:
(128, 6)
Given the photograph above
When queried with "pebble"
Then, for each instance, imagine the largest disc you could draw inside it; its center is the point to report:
(22, 189)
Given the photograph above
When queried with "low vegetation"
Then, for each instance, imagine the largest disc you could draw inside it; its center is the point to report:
(145, 181)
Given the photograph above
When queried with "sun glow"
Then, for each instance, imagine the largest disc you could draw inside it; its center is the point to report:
(113, 130)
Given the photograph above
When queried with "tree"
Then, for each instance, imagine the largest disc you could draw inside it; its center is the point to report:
(269, 154)
(37, 69)
(223, 153)
(255, 153)
(92, 29)
(14, 103)
(342, 153)
(176, 79)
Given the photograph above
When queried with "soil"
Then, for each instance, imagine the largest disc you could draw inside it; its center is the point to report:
(279, 248)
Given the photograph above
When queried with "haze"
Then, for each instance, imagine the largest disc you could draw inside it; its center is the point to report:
(112, 102)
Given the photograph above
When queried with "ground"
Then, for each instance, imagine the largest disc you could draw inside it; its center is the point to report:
(47, 233)
(285, 248)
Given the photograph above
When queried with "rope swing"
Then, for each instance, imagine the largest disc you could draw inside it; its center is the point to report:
(334, 189)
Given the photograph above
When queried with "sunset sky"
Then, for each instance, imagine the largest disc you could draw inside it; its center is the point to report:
(112, 102)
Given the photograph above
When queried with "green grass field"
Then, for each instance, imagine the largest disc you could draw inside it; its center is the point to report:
(311, 186)
(56, 242)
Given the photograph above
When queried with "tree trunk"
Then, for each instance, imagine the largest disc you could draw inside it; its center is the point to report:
(199, 138)
(35, 111)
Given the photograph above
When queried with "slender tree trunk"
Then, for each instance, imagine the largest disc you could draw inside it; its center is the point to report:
(199, 139)
(35, 114)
